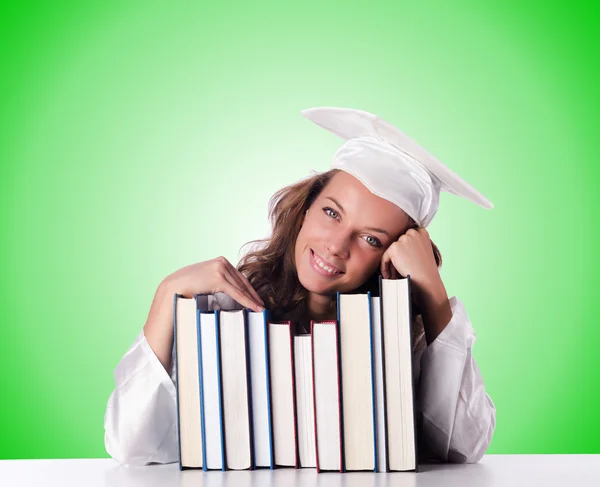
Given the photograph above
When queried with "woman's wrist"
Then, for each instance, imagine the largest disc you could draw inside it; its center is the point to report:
(435, 309)
(159, 325)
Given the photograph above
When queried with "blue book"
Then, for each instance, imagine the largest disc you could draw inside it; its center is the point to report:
(397, 317)
(260, 389)
(209, 363)
(359, 427)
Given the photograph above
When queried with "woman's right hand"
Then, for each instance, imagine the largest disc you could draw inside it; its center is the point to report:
(214, 276)
(209, 277)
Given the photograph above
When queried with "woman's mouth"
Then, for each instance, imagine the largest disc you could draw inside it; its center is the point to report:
(322, 267)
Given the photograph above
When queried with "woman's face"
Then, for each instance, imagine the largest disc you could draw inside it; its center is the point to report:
(344, 235)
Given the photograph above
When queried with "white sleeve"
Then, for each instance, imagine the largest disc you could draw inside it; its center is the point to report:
(140, 424)
(458, 416)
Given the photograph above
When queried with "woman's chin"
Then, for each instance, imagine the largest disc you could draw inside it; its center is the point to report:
(317, 284)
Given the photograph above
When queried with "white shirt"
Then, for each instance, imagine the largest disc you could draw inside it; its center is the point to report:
(457, 417)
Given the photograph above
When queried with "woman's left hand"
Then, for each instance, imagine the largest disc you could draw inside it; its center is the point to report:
(411, 254)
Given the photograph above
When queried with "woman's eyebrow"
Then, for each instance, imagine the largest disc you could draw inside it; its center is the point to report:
(379, 230)
(371, 229)
(336, 202)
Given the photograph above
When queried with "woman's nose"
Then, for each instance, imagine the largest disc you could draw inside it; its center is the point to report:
(338, 244)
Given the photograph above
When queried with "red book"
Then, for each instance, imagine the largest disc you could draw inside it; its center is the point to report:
(283, 396)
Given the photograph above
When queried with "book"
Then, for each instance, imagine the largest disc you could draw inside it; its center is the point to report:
(213, 441)
(380, 409)
(281, 361)
(250, 394)
(235, 389)
(358, 389)
(187, 383)
(326, 395)
(260, 389)
(304, 401)
(397, 318)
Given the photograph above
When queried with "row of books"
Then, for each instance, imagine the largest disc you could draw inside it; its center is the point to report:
(250, 394)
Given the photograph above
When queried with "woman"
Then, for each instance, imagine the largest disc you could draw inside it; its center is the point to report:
(332, 232)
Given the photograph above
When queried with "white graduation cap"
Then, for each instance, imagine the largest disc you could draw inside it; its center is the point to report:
(390, 164)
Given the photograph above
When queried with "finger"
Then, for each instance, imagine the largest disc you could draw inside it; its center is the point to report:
(248, 286)
(234, 277)
(423, 232)
(244, 284)
(385, 266)
(388, 270)
(231, 287)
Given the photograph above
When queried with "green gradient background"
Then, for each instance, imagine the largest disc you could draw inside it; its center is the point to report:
(140, 137)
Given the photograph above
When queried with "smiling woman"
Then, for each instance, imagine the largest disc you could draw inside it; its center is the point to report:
(329, 235)
(332, 232)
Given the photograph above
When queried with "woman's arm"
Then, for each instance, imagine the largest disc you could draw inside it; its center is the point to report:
(458, 416)
(140, 420)
(158, 329)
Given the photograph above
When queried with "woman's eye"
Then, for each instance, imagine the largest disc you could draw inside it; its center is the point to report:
(332, 213)
(373, 241)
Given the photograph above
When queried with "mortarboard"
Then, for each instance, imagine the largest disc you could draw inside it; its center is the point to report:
(390, 164)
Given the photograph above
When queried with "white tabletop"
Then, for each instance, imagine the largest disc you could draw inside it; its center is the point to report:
(493, 470)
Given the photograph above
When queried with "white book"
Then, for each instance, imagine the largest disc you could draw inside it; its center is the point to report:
(326, 392)
(358, 393)
(187, 382)
(211, 390)
(260, 389)
(282, 394)
(236, 399)
(399, 388)
(304, 401)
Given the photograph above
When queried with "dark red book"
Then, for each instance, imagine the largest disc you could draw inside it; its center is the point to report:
(283, 395)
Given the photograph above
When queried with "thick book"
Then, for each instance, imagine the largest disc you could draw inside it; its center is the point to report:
(358, 385)
(187, 383)
(326, 395)
(397, 317)
(260, 389)
(213, 441)
(283, 397)
(236, 390)
(304, 400)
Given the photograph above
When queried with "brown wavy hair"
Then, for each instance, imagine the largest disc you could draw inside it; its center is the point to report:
(270, 265)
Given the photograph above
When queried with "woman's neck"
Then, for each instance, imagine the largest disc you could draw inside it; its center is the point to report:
(321, 307)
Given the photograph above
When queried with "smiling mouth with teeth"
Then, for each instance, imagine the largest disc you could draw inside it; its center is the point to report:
(324, 266)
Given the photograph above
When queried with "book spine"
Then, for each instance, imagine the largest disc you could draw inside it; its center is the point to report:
(296, 449)
(312, 346)
(412, 367)
(372, 382)
(268, 383)
(249, 387)
(201, 385)
(383, 382)
(175, 296)
(340, 393)
(220, 391)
